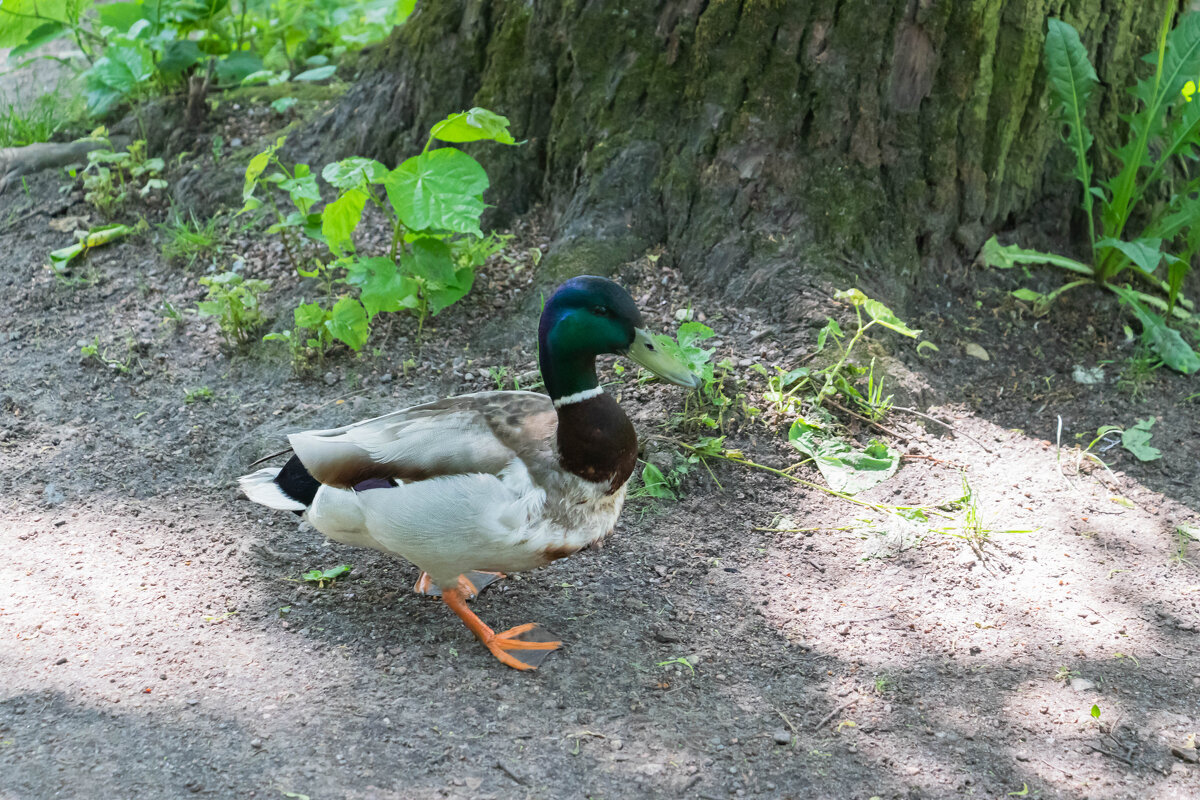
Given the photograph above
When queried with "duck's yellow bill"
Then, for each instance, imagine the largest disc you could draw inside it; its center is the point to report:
(666, 366)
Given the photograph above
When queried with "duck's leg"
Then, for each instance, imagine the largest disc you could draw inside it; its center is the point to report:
(522, 637)
(471, 583)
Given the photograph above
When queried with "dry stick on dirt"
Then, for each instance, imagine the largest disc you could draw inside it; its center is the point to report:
(835, 712)
(870, 422)
(952, 429)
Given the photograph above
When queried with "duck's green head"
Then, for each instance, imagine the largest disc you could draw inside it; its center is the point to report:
(588, 316)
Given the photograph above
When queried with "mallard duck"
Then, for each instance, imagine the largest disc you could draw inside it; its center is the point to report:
(475, 486)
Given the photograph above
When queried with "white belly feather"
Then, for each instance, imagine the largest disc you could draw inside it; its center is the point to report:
(450, 525)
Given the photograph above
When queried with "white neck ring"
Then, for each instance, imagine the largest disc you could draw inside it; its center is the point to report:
(579, 397)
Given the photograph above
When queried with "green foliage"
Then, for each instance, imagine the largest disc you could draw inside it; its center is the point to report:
(95, 237)
(433, 203)
(708, 405)
(112, 179)
(1156, 187)
(186, 240)
(324, 576)
(234, 301)
(1137, 441)
(138, 47)
(38, 119)
(845, 468)
(198, 395)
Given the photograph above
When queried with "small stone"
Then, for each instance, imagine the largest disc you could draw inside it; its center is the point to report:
(256, 744)
(52, 495)
(1081, 684)
(60, 661)
(236, 141)
(844, 630)
(781, 737)
(330, 378)
(385, 377)
(975, 351)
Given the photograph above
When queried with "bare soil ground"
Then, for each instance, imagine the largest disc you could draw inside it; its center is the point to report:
(158, 641)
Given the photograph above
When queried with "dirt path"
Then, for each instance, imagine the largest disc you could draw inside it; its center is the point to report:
(159, 642)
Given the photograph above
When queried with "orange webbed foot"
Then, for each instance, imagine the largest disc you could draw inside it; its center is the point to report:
(529, 638)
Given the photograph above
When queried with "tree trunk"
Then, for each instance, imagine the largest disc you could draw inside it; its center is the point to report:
(764, 142)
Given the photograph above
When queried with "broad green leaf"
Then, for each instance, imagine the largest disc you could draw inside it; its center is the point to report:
(1137, 441)
(831, 329)
(178, 56)
(1028, 295)
(845, 469)
(884, 316)
(318, 74)
(309, 315)
(438, 190)
(340, 218)
(122, 16)
(117, 75)
(473, 126)
(655, 484)
(444, 297)
(431, 261)
(302, 188)
(1007, 257)
(282, 104)
(16, 27)
(1145, 253)
(382, 287)
(233, 68)
(43, 34)
(348, 323)
(1073, 79)
(353, 172)
(1164, 340)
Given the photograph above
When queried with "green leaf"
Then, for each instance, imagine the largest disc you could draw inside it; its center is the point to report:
(282, 104)
(341, 217)
(1028, 295)
(382, 287)
(1137, 441)
(178, 56)
(348, 323)
(655, 484)
(1007, 257)
(43, 34)
(15, 30)
(121, 16)
(1145, 252)
(302, 188)
(431, 261)
(844, 468)
(256, 166)
(1073, 80)
(233, 68)
(310, 315)
(116, 75)
(854, 297)
(444, 297)
(473, 126)
(1095, 711)
(884, 316)
(438, 190)
(1164, 340)
(353, 172)
(318, 74)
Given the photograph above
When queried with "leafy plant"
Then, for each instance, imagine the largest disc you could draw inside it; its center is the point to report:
(94, 237)
(200, 394)
(324, 576)
(1137, 441)
(433, 203)
(708, 404)
(234, 301)
(845, 468)
(37, 119)
(111, 178)
(133, 49)
(1164, 130)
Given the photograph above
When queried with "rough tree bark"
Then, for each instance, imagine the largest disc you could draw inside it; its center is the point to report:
(761, 141)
